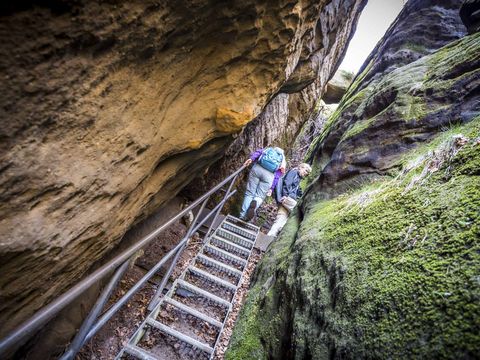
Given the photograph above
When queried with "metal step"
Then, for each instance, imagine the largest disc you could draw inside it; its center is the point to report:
(192, 311)
(226, 254)
(230, 244)
(180, 336)
(212, 278)
(195, 289)
(138, 352)
(246, 225)
(239, 231)
(230, 230)
(237, 239)
(223, 267)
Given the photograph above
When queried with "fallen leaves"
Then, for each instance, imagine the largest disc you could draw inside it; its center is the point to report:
(237, 303)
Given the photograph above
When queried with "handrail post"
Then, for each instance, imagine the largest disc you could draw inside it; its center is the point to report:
(155, 299)
(77, 342)
(227, 193)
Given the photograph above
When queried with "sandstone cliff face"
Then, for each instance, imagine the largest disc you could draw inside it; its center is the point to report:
(108, 109)
(382, 258)
(282, 119)
(421, 27)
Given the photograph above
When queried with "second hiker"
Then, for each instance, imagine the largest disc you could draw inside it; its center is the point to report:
(268, 168)
(286, 193)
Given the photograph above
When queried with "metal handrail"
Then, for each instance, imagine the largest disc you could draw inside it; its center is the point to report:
(40, 318)
(105, 317)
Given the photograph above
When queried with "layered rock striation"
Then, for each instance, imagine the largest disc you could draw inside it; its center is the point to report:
(108, 109)
(381, 260)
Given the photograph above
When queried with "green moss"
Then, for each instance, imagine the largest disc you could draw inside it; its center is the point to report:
(467, 162)
(419, 48)
(459, 54)
(443, 139)
(351, 99)
(347, 75)
(395, 273)
(388, 271)
(260, 319)
(423, 73)
(391, 269)
(245, 342)
(358, 80)
(455, 54)
(352, 102)
(357, 128)
(416, 108)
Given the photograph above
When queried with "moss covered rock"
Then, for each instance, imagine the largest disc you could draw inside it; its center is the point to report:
(391, 270)
(382, 259)
(409, 105)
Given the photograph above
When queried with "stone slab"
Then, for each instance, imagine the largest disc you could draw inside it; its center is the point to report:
(263, 241)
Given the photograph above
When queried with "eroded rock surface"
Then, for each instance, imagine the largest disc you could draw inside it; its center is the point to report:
(337, 87)
(422, 27)
(108, 109)
(470, 14)
(298, 100)
(382, 257)
(400, 97)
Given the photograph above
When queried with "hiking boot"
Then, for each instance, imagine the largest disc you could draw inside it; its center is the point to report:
(251, 211)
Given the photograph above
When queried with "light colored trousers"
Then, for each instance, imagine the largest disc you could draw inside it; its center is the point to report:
(280, 221)
(259, 182)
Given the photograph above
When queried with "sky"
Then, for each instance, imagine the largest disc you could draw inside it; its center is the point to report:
(374, 22)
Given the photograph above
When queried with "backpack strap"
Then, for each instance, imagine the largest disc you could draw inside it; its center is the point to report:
(278, 189)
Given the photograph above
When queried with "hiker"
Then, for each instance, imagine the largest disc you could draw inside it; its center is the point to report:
(269, 166)
(286, 193)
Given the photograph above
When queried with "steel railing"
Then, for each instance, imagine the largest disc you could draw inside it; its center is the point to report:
(92, 324)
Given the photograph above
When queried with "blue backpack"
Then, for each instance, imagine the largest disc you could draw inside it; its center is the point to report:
(271, 159)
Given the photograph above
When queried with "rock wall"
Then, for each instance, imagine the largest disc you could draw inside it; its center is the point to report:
(420, 28)
(381, 260)
(298, 100)
(109, 108)
(391, 105)
(337, 87)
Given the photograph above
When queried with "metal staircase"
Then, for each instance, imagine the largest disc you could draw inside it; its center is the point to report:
(188, 321)
(192, 315)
